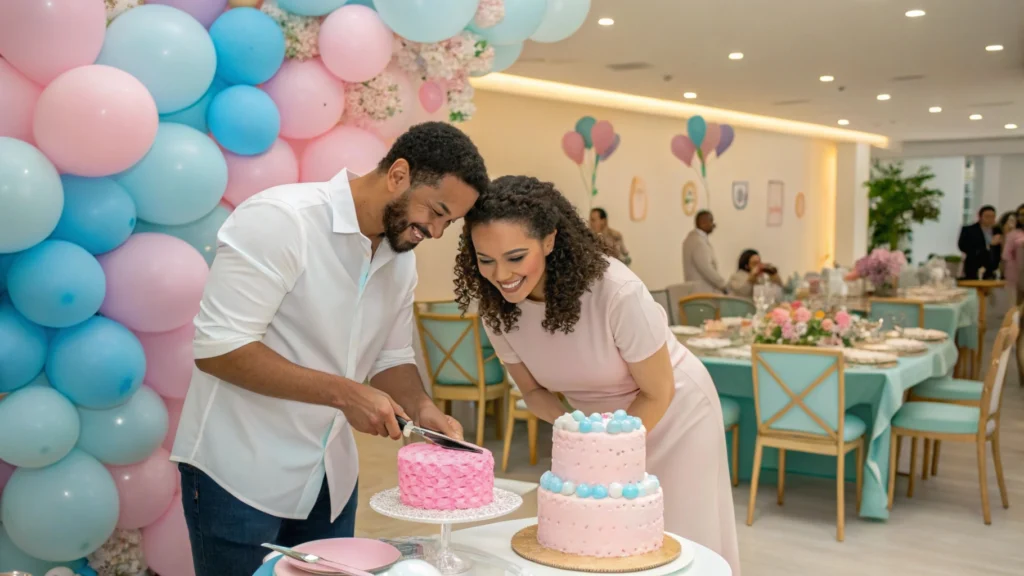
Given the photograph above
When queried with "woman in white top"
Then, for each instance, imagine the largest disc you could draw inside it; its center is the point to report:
(751, 271)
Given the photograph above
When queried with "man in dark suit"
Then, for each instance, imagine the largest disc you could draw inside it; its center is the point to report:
(982, 245)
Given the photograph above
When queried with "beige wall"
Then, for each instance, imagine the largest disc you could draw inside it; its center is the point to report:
(523, 136)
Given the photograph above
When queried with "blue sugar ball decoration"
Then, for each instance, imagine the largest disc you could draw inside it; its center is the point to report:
(555, 483)
(583, 491)
(627, 425)
(578, 416)
(545, 480)
(597, 427)
(595, 417)
(653, 480)
(585, 426)
(619, 414)
(599, 492)
(614, 427)
(637, 423)
(630, 491)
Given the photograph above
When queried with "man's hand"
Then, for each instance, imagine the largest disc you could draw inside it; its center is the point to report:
(428, 416)
(371, 411)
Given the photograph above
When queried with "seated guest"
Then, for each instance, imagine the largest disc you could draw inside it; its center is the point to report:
(612, 239)
(751, 271)
(981, 244)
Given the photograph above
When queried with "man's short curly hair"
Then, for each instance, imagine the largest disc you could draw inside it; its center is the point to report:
(576, 262)
(435, 150)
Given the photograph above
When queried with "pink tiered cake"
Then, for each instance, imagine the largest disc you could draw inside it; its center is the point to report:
(597, 500)
(434, 478)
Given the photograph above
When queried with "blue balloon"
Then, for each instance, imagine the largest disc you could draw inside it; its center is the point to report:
(61, 512)
(244, 120)
(195, 115)
(56, 284)
(561, 20)
(5, 263)
(22, 348)
(696, 129)
(423, 21)
(31, 196)
(505, 56)
(38, 427)
(99, 214)
(201, 234)
(180, 179)
(522, 19)
(310, 7)
(97, 364)
(583, 127)
(125, 434)
(367, 3)
(249, 44)
(168, 50)
(13, 559)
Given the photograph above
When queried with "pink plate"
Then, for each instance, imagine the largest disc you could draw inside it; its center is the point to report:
(363, 553)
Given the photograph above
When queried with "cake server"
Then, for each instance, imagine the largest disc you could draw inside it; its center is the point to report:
(436, 437)
(318, 560)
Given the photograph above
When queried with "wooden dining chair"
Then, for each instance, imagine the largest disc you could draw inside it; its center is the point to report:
(946, 422)
(461, 362)
(695, 309)
(800, 402)
(731, 418)
(662, 298)
(907, 312)
(517, 410)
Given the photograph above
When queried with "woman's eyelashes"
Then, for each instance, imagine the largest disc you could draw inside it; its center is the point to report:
(488, 261)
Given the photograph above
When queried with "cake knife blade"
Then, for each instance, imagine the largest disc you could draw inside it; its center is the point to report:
(437, 438)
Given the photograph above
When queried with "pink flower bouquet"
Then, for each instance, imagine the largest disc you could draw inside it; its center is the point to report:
(796, 325)
(882, 268)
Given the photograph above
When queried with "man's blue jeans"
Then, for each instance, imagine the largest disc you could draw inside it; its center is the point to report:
(226, 533)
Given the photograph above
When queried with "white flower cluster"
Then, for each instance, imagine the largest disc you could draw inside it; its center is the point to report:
(121, 555)
(301, 33)
(489, 13)
(375, 100)
(450, 63)
(117, 7)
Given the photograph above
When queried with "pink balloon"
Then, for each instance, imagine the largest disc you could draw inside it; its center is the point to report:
(45, 39)
(573, 145)
(18, 96)
(5, 474)
(711, 139)
(165, 543)
(355, 44)
(169, 360)
(145, 490)
(309, 99)
(603, 136)
(173, 417)
(344, 147)
(297, 146)
(206, 11)
(683, 148)
(431, 96)
(154, 282)
(95, 121)
(248, 175)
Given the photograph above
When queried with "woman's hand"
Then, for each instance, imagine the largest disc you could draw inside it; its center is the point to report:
(656, 380)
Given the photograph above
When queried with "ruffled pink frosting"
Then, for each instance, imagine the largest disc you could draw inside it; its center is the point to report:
(434, 478)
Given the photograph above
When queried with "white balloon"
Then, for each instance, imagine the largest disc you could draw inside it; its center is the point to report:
(60, 571)
(413, 568)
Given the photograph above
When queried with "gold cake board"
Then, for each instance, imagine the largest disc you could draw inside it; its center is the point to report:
(525, 544)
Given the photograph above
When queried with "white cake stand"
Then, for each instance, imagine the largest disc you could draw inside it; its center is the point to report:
(388, 503)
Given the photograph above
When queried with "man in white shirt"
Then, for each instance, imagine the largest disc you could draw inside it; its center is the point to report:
(699, 262)
(310, 296)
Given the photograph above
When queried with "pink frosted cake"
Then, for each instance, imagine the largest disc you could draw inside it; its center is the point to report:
(597, 500)
(434, 478)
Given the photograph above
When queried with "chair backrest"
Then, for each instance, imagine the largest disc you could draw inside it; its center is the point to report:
(695, 309)
(1011, 318)
(733, 307)
(456, 348)
(800, 390)
(995, 378)
(661, 297)
(675, 292)
(904, 312)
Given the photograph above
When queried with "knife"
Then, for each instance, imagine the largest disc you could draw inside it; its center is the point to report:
(437, 438)
(317, 560)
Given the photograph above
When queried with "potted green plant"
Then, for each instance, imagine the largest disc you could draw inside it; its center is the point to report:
(896, 201)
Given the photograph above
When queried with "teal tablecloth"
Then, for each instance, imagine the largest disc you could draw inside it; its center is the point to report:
(872, 394)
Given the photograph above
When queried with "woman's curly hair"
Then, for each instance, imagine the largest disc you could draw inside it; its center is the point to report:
(577, 260)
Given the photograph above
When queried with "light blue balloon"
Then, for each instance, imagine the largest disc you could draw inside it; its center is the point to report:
(56, 284)
(125, 434)
(522, 19)
(310, 7)
(424, 20)
(22, 348)
(168, 50)
(99, 214)
(244, 120)
(201, 234)
(195, 115)
(561, 20)
(13, 559)
(367, 3)
(98, 364)
(505, 56)
(696, 129)
(62, 512)
(180, 179)
(31, 196)
(583, 127)
(38, 427)
(249, 44)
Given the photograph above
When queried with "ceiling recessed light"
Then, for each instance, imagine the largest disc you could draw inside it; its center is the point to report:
(994, 48)
(935, 109)
(1010, 126)
(826, 78)
(844, 122)
(915, 13)
(975, 116)
(883, 97)
(606, 21)
(736, 56)
(689, 95)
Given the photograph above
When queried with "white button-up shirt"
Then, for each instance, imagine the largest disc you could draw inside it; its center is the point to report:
(293, 272)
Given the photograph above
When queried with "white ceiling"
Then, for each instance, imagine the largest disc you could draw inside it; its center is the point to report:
(869, 46)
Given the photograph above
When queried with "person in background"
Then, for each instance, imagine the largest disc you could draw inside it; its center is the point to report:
(751, 271)
(1013, 242)
(699, 263)
(981, 244)
(612, 239)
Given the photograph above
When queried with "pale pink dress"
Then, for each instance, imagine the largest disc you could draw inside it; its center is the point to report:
(620, 322)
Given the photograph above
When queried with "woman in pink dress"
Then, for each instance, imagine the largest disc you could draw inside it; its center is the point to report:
(1013, 242)
(565, 317)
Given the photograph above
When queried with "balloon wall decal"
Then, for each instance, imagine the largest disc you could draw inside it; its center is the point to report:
(589, 144)
(702, 139)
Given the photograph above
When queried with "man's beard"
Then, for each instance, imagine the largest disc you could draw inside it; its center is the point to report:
(396, 221)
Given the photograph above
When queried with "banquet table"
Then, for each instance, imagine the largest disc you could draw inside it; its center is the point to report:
(873, 394)
(957, 319)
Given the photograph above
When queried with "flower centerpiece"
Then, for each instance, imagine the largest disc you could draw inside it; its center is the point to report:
(795, 325)
(882, 268)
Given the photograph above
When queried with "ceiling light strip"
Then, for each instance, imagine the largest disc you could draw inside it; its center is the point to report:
(547, 90)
